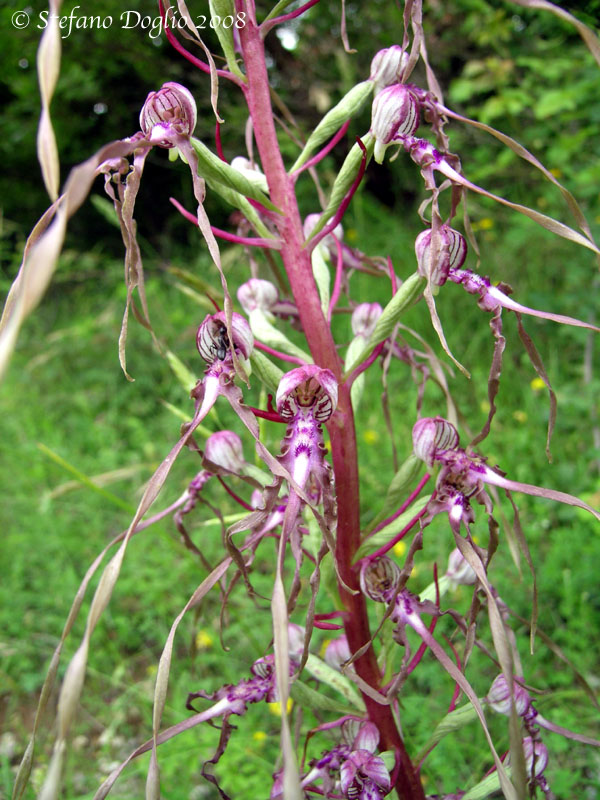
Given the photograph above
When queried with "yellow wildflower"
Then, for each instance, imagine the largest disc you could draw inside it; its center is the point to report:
(203, 640)
(399, 548)
(537, 384)
(275, 708)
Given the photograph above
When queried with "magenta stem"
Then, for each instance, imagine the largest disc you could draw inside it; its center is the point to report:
(278, 354)
(270, 23)
(338, 216)
(197, 62)
(423, 647)
(270, 415)
(322, 153)
(365, 364)
(218, 143)
(273, 244)
(327, 626)
(411, 497)
(457, 689)
(337, 286)
(331, 615)
(392, 276)
(236, 497)
(383, 550)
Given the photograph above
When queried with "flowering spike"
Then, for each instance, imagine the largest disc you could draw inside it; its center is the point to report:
(224, 449)
(250, 171)
(459, 571)
(387, 66)
(212, 340)
(337, 652)
(379, 579)
(431, 436)
(167, 113)
(310, 389)
(450, 252)
(310, 224)
(395, 114)
(364, 776)
(364, 319)
(498, 697)
(257, 293)
(536, 756)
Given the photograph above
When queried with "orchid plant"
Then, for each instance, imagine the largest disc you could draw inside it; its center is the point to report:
(305, 494)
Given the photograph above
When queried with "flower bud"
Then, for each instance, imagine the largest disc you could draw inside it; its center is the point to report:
(387, 66)
(257, 293)
(498, 697)
(459, 570)
(250, 171)
(364, 775)
(535, 751)
(367, 737)
(212, 340)
(364, 319)
(170, 110)
(379, 579)
(450, 251)
(310, 388)
(431, 436)
(310, 223)
(395, 113)
(296, 636)
(224, 449)
(337, 652)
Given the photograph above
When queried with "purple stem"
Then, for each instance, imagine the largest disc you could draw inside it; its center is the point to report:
(392, 276)
(231, 493)
(270, 23)
(337, 218)
(218, 144)
(383, 550)
(331, 615)
(280, 355)
(230, 237)
(270, 415)
(327, 626)
(322, 153)
(222, 73)
(411, 497)
(365, 364)
(335, 295)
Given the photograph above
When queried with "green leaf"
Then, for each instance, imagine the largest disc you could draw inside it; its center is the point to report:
(326, 674)
(310, 698)
(238, 200)
(385, 535)
(407, 294)
(349, 106)
(453, 721)
(213, 169)
(265, 370)
(221, 9)
(85, 479)
(402, 481)
(344, 180)
(185, 377)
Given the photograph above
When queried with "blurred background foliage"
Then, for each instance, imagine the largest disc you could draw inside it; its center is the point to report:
(524, 72)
